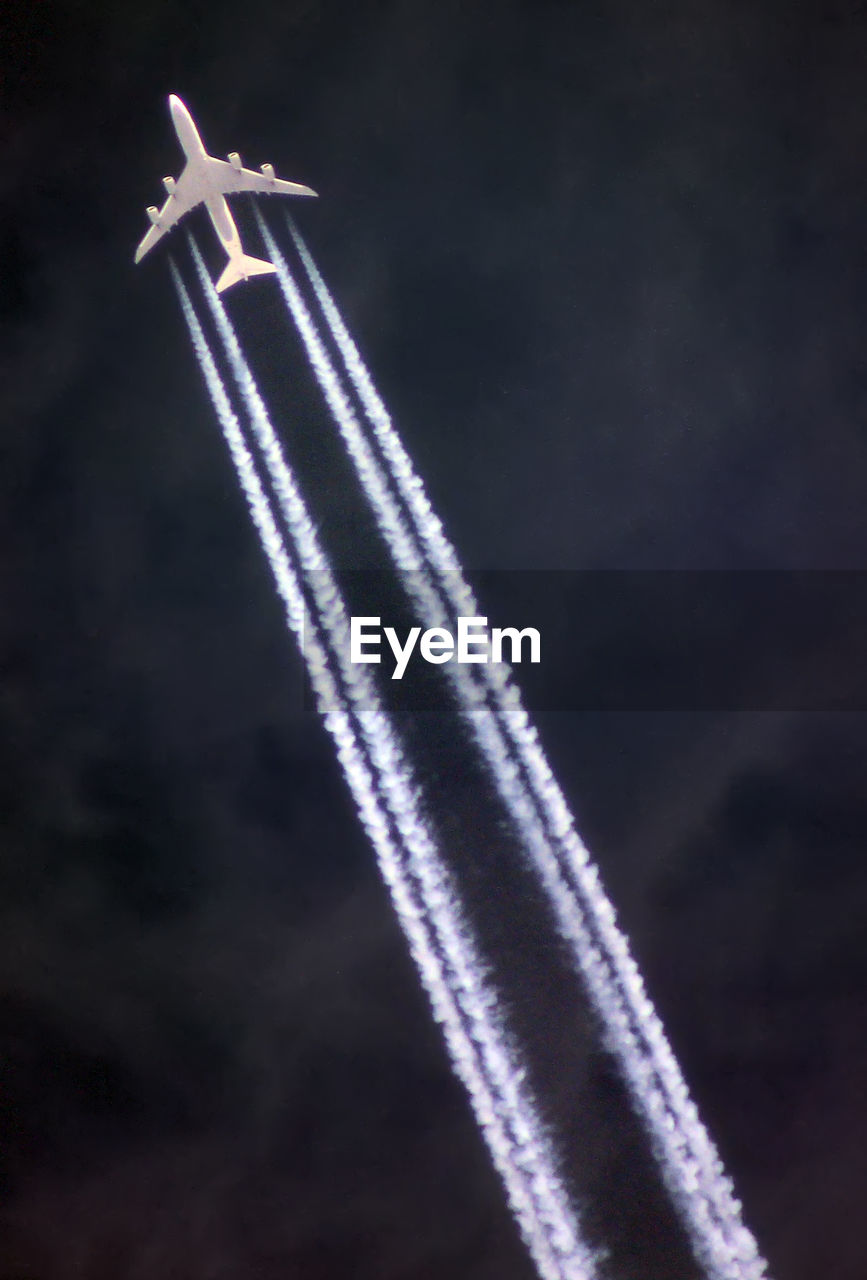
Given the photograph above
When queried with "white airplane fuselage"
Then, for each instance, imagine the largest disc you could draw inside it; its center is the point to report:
(214, 201)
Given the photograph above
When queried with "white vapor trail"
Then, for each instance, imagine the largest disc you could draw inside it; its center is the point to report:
(384, 792)
(689, 1162)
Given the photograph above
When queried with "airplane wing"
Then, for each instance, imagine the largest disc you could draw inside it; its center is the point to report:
(172, 211)
(228, 179)
(195, 184)
(184, 198)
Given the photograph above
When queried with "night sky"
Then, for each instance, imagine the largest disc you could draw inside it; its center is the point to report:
(607, 263)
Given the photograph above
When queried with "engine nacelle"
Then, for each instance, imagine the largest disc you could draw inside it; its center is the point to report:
(154, 214)
(235, 161)
(268, 170)
(169, 184)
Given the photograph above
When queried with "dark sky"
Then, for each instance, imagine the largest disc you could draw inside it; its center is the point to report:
(607, 262)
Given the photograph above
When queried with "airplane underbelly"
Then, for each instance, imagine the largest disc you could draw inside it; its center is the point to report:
(222, 219)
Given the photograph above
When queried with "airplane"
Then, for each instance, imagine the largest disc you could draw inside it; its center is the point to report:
(206, 180)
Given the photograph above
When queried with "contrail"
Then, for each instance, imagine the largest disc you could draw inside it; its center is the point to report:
(688, 1159)
(412, 867)
(370, 473)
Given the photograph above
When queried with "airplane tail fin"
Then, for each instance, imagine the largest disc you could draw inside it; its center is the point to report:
(241, 268)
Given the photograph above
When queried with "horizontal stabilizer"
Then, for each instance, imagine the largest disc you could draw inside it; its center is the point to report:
(241, 268)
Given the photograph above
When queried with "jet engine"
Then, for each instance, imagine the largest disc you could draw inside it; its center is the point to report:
(235, 160)
(169, 184)
(154, 214)
(268, 170)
